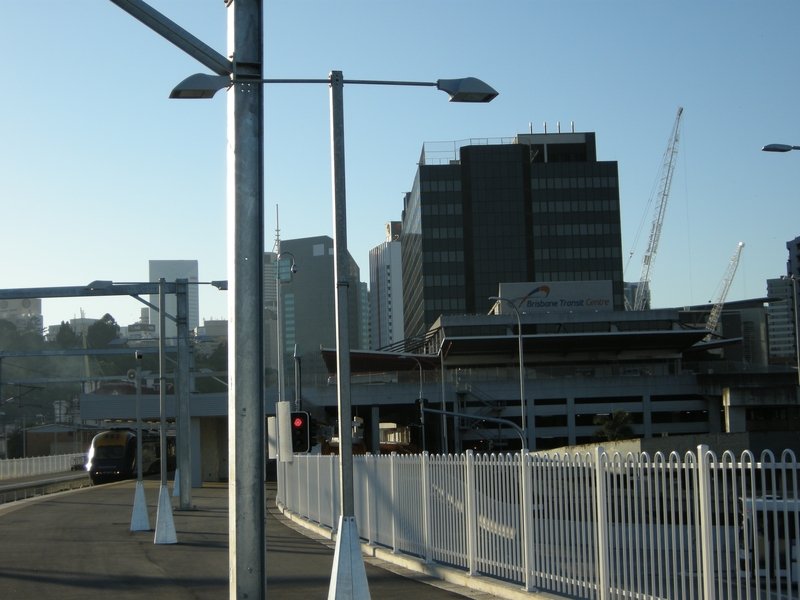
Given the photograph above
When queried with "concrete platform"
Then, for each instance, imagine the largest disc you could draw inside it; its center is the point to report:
(78, 544)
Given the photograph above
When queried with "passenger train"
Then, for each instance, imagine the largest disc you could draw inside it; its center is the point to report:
(112, 455)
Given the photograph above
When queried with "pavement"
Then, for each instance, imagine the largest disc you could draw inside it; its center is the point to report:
(78, 544)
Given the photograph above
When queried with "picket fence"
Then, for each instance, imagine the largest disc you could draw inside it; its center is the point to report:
(37, 465)
(590, 525)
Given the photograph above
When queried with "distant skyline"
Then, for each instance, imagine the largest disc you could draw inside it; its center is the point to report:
(100, 172)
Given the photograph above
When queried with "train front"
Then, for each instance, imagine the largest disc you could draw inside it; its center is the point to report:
(110, 457)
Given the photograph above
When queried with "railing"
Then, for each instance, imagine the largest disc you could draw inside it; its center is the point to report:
(588, 525)
(38, 465)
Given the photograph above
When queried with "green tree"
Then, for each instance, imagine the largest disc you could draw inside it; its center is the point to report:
(217, 361)
(66, 338)
(9, 336)
(14, 446)
(614, 427)
(101, 333)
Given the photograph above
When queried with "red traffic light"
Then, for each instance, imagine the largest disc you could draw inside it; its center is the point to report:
(301, 432)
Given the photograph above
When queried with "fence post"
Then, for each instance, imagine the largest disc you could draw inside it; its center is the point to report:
(603, 571)
(471, 511)
(426, 505)
(706, 533)
(393, 493)
(334, 492)
(526, 507)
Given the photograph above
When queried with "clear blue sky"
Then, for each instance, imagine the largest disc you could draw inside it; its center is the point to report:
(100, 171)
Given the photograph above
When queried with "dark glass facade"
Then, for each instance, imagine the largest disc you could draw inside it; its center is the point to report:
(539, 209)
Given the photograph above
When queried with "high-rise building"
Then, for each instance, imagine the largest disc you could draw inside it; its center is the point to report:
(541, 208)
(793, 262)
(270, 324)
(308, 307)
(172, 270)
(386, 289)
(363, 315)
(780, 321)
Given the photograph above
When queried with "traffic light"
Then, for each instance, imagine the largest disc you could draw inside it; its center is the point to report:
(301, 431)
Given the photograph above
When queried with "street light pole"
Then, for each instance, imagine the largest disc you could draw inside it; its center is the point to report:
(201, 85)
(521, 361)
(789, 148)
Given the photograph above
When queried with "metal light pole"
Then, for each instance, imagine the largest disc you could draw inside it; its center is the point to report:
(140, 520)
(165, 526)
(468, 89)
(789, 148)
(246, 426)
(521, 362)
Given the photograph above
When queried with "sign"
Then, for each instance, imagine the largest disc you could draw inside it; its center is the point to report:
(557, 296)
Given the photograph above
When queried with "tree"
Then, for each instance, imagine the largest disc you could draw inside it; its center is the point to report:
(14, 444)
(66, 338)
(614, 427)
(101, 333)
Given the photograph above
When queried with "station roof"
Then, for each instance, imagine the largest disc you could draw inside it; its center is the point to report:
(537, 349)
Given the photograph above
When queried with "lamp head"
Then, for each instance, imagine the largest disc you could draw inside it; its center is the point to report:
(777, 148)
(200, 85)
(468, 89)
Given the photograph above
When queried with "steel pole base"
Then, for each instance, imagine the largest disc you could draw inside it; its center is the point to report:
(348, 577)
(140, 521)
(165, 526)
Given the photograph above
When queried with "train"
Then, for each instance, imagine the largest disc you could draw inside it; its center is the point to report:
(112, 455)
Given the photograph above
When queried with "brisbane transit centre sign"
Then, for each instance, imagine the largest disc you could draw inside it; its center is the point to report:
(558, 296)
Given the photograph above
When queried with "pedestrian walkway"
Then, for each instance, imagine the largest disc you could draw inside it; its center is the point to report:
(78, 544)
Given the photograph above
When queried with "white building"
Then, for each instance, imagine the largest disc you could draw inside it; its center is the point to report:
(386, 289)
(171, 270)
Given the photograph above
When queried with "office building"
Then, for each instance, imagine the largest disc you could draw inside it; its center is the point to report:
(308, 308)
(780, 321)
(793, 262)
(541, 208)
(386, 289)
(172, 270)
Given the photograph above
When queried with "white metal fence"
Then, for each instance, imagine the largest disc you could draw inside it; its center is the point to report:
(588, 525)
(37, 465)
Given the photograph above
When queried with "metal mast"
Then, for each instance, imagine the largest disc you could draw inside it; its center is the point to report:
(667, 168)
(713, 318)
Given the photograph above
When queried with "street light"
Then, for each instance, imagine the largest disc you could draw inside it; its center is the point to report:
(779, 148)
(521, 360)
(292, 270)
(467, 89)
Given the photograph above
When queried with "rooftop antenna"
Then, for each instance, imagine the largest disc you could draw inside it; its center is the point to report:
(276, 246)
(530, 127)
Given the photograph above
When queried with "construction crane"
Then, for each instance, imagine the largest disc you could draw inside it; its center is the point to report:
(667, 168)
(716, 311)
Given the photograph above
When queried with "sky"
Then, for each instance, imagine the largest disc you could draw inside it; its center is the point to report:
(101, 172)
